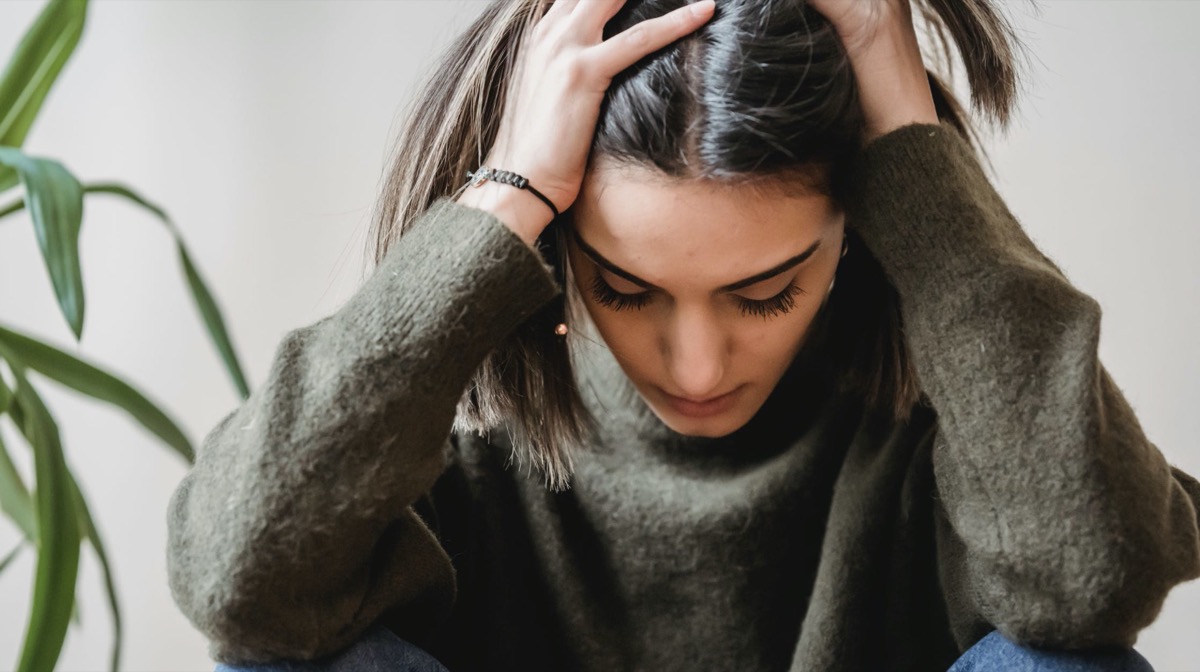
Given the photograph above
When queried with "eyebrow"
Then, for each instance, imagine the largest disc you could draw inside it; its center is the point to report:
(731, 287)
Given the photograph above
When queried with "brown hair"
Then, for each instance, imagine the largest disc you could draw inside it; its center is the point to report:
(726, 118)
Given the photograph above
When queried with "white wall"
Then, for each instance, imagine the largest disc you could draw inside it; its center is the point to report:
(262, 127)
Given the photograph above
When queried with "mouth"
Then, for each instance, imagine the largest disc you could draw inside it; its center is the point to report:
(698, 408)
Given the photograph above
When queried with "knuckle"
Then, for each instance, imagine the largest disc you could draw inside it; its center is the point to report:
(578, 69)
(637, 36)
(548, 31)
(544, 34)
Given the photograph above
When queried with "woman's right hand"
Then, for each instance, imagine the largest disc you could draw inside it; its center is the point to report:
(550, 115)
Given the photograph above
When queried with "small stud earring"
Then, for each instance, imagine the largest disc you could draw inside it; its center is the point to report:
(561, 329)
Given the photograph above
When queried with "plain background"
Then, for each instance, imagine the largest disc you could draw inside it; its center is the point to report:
(263, 127)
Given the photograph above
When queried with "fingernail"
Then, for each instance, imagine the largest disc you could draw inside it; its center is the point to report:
(701, 8)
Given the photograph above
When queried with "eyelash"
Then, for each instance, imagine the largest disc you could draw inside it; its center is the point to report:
(779, 304)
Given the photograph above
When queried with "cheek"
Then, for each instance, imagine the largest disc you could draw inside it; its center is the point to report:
(763, 349)
(760, 349)
(627, 333)
(766, 349)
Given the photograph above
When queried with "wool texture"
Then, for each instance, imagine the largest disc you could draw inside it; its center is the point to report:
(1022, 495)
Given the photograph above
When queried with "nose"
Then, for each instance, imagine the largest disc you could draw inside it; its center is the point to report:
(695, 349)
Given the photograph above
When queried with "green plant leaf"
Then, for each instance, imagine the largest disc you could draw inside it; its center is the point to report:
(58, 529)
(15, 499)
(204, 299)
(99, 384)
(15, 206)
(205, 302)
(12, 555)
(93, 535)
(14, 496)
(56, 208)
(33, 69)
(213, 321)
(18, 416)
(6, 396)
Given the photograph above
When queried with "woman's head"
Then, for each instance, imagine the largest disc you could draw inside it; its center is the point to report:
(701, 289)
(721, 157)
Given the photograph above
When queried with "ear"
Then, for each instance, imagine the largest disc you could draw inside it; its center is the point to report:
(845, 249)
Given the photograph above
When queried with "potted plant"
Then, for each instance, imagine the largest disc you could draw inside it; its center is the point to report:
(50, 512)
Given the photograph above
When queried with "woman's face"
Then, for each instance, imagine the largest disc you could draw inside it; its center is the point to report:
(700, 290)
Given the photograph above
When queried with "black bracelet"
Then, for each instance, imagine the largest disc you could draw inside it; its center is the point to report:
(484, 174)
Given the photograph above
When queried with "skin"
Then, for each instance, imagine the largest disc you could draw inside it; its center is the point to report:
(882, 46)
(688, 238)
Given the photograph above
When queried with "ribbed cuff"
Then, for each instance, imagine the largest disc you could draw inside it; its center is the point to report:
(449, 291)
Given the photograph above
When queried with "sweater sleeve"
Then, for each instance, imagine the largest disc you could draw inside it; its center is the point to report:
(1061, 524)
(295, 528)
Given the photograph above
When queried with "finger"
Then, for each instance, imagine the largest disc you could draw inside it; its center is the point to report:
(560, 8)
(628, 47)
(592, 15)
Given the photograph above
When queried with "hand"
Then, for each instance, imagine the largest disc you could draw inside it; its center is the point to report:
(882, 46)
(563, 72)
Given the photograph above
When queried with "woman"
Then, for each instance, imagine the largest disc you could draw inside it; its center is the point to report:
(820, 402)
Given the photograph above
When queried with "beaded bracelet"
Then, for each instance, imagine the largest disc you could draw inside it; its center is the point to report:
(484, 174)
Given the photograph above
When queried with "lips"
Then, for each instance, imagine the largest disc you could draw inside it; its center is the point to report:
(705, 407)
(700, 401)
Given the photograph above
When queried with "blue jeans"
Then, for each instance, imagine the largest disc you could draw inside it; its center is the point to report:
(379, 650)
(996, 653)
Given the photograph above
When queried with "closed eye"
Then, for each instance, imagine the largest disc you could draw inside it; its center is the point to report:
(780, 304)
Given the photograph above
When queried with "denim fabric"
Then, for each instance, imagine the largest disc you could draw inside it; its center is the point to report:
(379, 650)
(997, 653)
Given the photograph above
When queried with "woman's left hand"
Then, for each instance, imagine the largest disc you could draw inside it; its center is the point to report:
(882, 45)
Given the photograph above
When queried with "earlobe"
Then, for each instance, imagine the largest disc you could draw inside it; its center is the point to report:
(828, 293)
(845, 249)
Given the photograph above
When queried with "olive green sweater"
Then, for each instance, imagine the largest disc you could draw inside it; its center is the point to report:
(1023, 496)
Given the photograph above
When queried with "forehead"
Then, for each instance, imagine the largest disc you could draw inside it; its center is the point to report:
(659, 229)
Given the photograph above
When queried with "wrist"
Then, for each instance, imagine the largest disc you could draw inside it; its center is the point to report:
(897, 118)
(520, 210)
(893, 85)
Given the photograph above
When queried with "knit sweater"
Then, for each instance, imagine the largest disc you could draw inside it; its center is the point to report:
(1021, 496)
